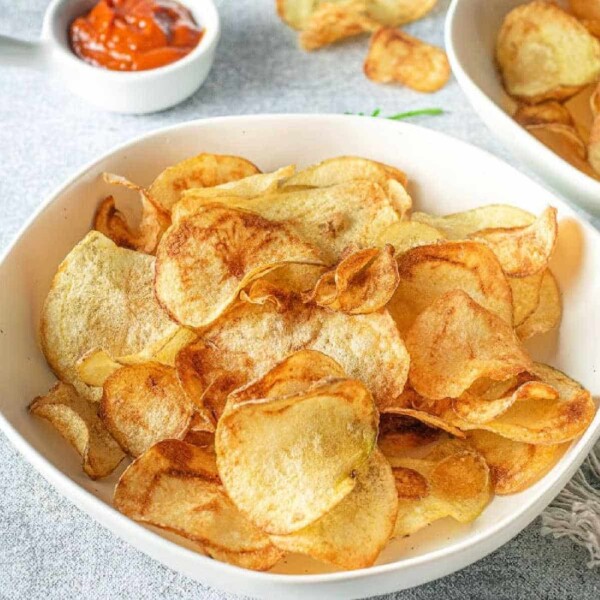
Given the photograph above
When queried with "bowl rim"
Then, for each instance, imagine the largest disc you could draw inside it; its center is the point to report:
(130, 530)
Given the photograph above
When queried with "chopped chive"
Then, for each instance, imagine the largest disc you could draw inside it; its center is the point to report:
(417, 113)
(376, 112)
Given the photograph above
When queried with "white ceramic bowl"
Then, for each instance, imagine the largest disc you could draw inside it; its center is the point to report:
(446, 175)
(125, 92)
(471, 30)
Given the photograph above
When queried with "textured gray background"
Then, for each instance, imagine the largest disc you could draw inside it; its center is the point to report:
(48, 548)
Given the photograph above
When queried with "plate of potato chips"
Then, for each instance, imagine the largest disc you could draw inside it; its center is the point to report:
(296, 355)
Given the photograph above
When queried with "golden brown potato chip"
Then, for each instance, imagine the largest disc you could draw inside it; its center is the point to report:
(594, 146)
(405, 235)
(525, 295)
(362, 282)
(335, 21)
(585, 9)
(144, 404)
(102, 297)
(295, 13)
(288, 460)
(76, 420)
(250, 339)
(395, 56)
(401, 434)
(176, 486)
(546, 113)
(548, 311)
(514, 466)
(204, 170)
(563, 140)
(352, 534)
(202, 430)
(397, 12)
(428, 272)
(545, 53)
(206, 259)
(421, 416)
(595, 101)
(523, 251)
(455, 341)
(592, 25)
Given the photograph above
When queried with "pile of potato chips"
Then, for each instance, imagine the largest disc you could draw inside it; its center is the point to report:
(393, 57)
(297, 362)
(549, 59)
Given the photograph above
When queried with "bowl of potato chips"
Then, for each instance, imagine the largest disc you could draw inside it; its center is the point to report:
(535, 81)
(297, 355)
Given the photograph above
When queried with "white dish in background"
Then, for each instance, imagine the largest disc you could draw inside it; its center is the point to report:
(471, 30)
(446, 176)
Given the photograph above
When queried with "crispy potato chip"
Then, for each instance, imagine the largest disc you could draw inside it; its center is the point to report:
(545, 53)
(343, 169)
(286, 461)
(101, 297)
(204, 170)
(455, 341)
(398, 12)
(595, 101)
(546, 113)
(335, 21)
(250, 339)
(403, 435)
(206, 259)
(295, 13)
(176, 486)
(523, 251)
(331, 218)
(421, 416)
(202, 430)
(405, 235)
(548, 311)
(525, 295)
(514, 466)
(362, 282)
(352, 534)
(592, 25)
(395, 56)
(144, 404)
(585, 9)
(428, 272)
(76, 420)
(594, 146)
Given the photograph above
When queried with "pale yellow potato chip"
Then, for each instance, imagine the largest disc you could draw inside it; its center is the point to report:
(428, 272)
(296, 13)
(76, 420)
(405, 235)
(286, 461)
(525, 295)
(455, 341)
(144, 404)
(585, 9)
(548, 312)
(396, 57)
(594, 146)
(102, 297)
(398, 12)
(546, 113)
(204, 170)
(206, 259)
(545, 53)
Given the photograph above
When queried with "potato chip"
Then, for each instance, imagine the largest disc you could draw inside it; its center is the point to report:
(396, 57)
(523, 251)
(102, 297)
(204, 170)
(352, 534)
(335, 21)
(362, 282)
(286, 461)
(545, 53)
(250, 339)
(202, 430)
(525, 295)
(398, 12)
(594, 146)
(455, 341)
(595, 101)
(76, 420)
(176, 486)
(592, 25)
(548, 311)
(585, 9)
(206, 259)
(405, 235)
(514, 466)
(428, 272)
(295, 13)
(144, 404)
(421, 416)
(546, 113)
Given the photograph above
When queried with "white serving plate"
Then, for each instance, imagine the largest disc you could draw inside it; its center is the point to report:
(446, 175)
(471, 30)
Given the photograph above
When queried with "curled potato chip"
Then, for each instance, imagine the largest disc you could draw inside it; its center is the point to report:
(594, 146)
(548, 311)
(421, 416)
(250, 339)
(288, 460)
(395, 56)
(202, 430)
(144, 404)
(206, 259)
(335, 21)
(563, 140)
(101, 297)
(76, 420)
(428, 272)
(362, 282)
(176, 486)
(352, 534)
(405, 235)
(523, 251)
(514, 466)
(545, 53)
(455, 341)
(585, 9)
(546, 113)
(397, 12)
(204, 170)
(525, 295)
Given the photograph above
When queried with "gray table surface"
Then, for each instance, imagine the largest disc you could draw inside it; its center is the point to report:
(48, 548)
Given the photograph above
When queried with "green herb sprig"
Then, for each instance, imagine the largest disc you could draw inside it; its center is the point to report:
(432, 112)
